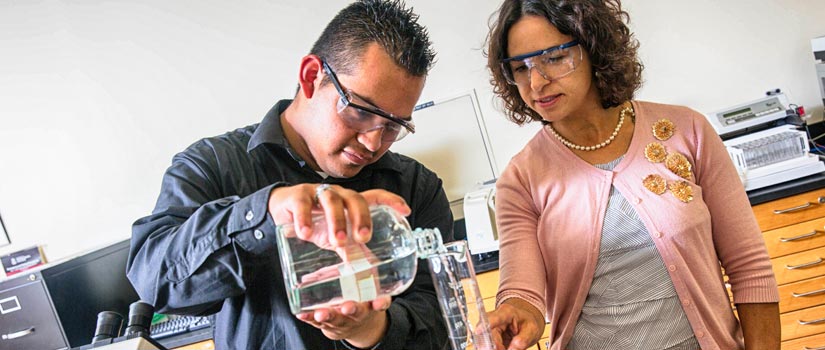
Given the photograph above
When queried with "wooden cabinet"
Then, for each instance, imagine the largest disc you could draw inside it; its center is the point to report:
(813, 342)
(790, 210)
(203, 345)
(794, 232)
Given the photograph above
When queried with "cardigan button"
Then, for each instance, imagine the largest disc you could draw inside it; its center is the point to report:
(659, 234)
(672, 267)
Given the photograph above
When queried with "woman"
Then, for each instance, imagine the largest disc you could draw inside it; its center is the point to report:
(615, 218)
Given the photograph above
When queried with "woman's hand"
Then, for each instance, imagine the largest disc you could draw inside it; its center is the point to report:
(516, 325)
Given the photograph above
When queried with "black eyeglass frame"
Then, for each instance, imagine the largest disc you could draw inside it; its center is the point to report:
(409, 125)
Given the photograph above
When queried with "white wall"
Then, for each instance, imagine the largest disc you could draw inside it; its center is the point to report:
(97, 96)
(711, 54)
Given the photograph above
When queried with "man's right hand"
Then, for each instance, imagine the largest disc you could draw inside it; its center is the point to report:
(295, 204)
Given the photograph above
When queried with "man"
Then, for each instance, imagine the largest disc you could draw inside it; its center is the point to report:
(209, 246)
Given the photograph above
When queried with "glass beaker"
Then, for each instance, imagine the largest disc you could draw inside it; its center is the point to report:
(459, 298)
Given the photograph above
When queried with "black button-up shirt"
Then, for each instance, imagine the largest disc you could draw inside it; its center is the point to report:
(209, 245)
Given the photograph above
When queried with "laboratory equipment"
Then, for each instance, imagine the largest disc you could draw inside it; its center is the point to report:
(480, 218)
(459, 298)
(320, 275)
(765, 154)
(749, 116)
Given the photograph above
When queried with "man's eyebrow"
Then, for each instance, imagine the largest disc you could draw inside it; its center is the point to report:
(373, 105)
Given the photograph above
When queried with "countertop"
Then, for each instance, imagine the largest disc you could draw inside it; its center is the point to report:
(785, 189)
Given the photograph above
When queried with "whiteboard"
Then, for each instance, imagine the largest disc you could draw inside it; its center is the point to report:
(461, 156)
(4, 236)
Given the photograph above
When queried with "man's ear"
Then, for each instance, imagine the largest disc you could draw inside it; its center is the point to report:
(309, 76)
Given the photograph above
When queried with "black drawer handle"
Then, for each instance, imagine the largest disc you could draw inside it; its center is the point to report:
(18, 334)
(820, 200)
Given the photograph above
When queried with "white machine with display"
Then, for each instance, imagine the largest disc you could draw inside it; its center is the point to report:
(751, 115)
(479, 218)
(763, 156)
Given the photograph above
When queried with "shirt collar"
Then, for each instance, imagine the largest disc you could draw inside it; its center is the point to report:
(270, 131)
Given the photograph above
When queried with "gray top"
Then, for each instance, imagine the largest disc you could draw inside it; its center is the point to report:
(632, 303)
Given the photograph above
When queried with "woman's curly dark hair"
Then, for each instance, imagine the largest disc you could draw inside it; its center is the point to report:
(601, 29)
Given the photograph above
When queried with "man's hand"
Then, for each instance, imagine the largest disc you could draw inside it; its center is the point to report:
(295, 204)
(360, 324)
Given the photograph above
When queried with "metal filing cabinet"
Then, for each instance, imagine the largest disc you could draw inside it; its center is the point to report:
(27, 316)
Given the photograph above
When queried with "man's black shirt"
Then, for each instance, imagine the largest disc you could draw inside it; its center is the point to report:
(209, 245)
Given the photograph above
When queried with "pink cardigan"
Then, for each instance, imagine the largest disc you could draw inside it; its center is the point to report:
(550, 208)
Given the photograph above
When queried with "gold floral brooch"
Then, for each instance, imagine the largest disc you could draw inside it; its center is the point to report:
(676, 162)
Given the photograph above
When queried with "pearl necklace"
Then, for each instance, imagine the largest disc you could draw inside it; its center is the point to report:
(626, 110)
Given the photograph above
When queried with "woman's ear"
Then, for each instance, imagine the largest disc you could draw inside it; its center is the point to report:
(309, 75)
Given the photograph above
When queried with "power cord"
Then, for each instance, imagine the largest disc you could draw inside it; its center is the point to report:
(818, 148)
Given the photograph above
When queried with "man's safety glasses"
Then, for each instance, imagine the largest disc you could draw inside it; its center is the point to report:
(361, 118)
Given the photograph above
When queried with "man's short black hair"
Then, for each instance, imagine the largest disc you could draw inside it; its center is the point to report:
(385, 22)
